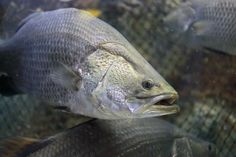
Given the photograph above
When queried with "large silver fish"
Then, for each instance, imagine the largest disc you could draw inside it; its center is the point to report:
(76, 61)
(149, 137)
(206, 23)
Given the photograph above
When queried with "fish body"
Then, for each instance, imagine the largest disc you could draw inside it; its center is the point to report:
(73, 60)
(103, 138)
(207, 24)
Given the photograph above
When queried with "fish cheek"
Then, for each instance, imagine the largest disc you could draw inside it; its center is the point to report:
(117, 98)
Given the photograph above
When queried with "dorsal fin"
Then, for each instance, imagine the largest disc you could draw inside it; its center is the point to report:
(94, 12)
(28, 18)
(12, 147)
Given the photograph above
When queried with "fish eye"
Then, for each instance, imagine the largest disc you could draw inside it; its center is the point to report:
(147, 84)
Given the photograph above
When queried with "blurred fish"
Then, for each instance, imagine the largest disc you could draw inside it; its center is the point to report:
(81, 64)
(207, 24)
(13, 11)
(104, 138)
(23, 115)
(123, 6)
(16, 113)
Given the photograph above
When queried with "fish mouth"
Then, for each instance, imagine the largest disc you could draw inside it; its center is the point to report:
(159, 105)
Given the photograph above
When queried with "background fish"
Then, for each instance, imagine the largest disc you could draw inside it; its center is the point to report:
(79, 63)
(206, 23)
(23, 115)
(131, 138)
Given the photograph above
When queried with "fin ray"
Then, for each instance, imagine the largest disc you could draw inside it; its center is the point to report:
(12, 147)
(94, 12)
(66, 77)
(201, 27)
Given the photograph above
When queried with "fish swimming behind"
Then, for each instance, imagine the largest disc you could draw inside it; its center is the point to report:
(81, 64)
(149, 137)
(206, 24)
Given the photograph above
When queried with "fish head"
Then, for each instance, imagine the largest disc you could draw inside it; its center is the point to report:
(131, 88)
(194, 146)
(180, 19)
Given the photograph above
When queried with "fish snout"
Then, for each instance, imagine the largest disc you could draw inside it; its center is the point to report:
(169, 99)
(166, 99)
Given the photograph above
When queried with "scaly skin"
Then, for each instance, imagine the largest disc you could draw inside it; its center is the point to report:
(138, 137)
(70, 58)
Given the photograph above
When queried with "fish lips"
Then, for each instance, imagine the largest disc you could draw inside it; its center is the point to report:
(158, 105)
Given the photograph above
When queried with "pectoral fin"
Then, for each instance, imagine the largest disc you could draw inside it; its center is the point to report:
(216, 51)
(66, 77)
(201, 27)
(20, 146)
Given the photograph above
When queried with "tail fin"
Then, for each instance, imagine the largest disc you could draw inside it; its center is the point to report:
(22, 146)
(14, 147)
